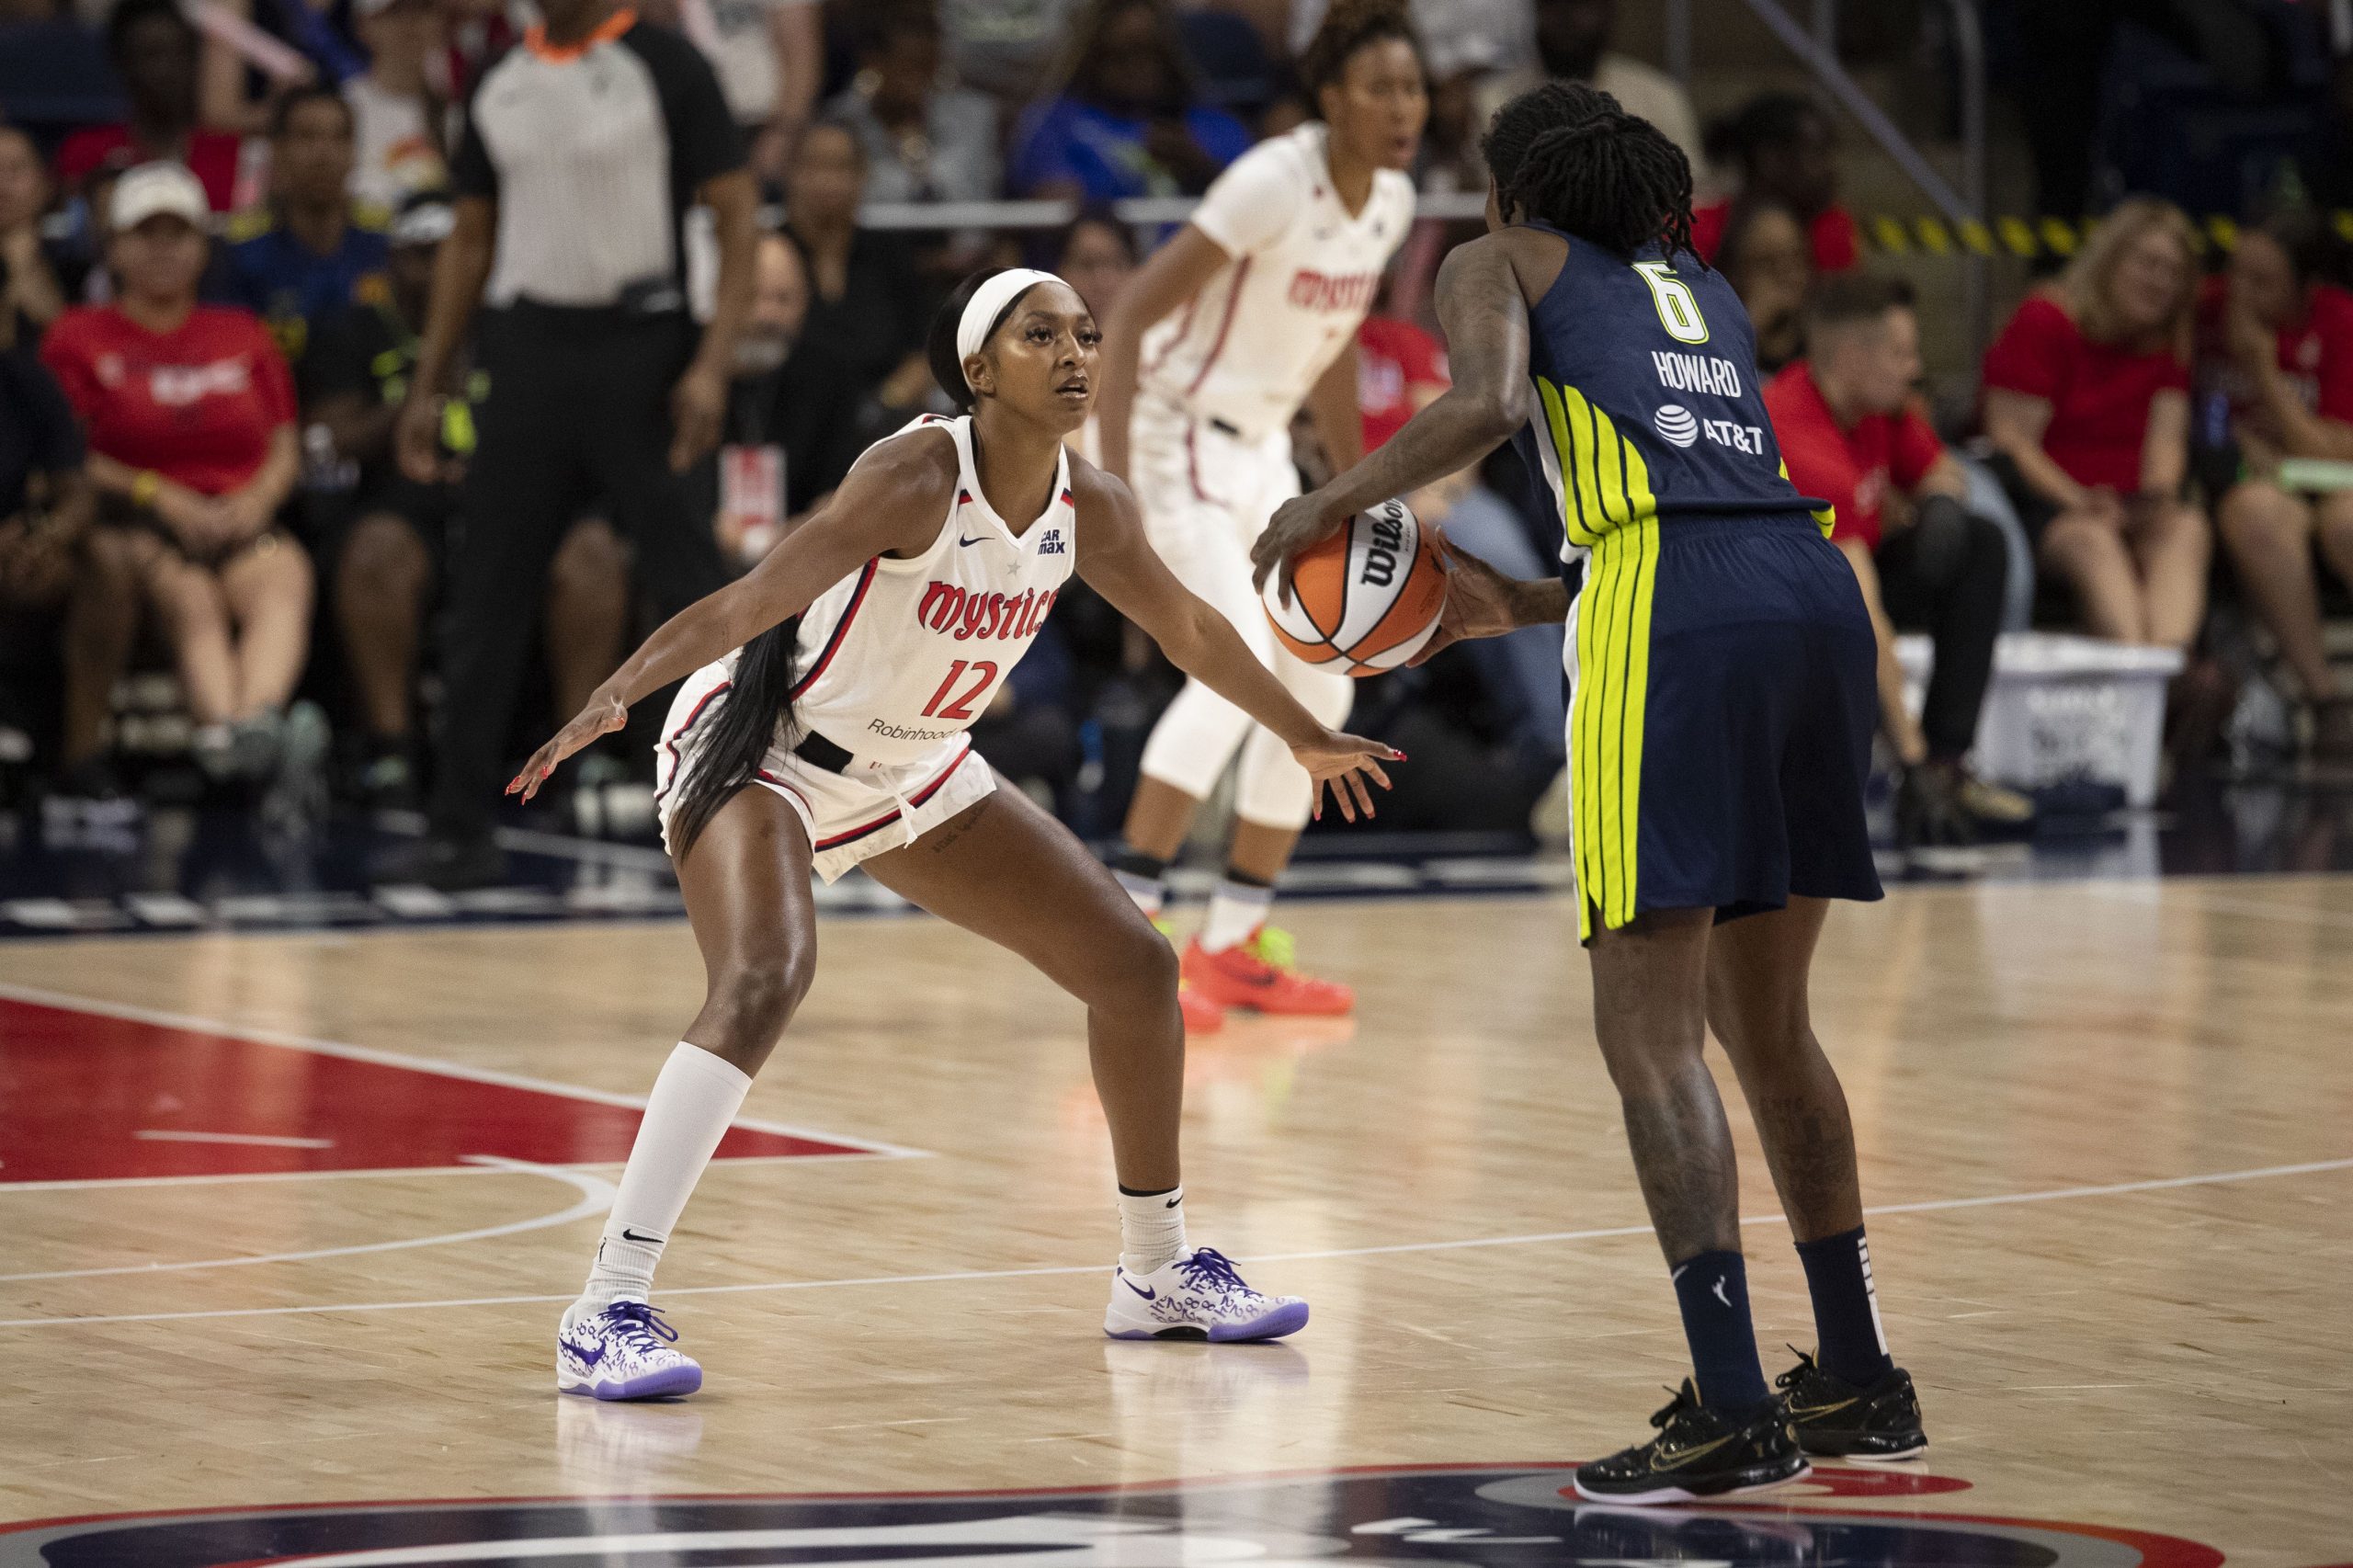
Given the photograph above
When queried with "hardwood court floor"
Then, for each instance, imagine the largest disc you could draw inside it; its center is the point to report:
(2072, 1101)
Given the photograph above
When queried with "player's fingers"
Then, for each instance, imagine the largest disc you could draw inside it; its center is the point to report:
(1375, 770)
(1363, 795)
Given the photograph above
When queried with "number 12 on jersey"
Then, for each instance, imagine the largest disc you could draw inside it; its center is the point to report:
(1678, 310)
(960, 710)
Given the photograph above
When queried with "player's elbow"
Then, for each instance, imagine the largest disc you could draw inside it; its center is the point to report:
(1500, 411)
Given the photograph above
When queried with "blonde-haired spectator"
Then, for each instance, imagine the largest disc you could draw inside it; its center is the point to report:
(2087, 407)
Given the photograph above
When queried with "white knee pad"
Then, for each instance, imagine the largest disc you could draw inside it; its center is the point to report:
(1272, 789)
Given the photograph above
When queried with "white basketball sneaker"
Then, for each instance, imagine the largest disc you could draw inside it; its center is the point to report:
(623, 1352)
(1199, 1296)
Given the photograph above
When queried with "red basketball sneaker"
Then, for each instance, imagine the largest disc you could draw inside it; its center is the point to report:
(1202, 1014)
(1257, 975)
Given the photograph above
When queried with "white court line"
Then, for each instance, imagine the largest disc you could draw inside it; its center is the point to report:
(2050, 1195)
(596, 1197)
(262, 1140)
(414, 1063)
(731, 1162)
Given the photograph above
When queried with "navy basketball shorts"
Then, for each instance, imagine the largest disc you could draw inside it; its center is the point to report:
(1722, 701)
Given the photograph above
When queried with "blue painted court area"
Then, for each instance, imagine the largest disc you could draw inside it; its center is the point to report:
(190, 869)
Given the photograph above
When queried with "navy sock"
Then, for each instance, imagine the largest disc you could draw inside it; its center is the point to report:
(1712, 1290)
(1852, 1344)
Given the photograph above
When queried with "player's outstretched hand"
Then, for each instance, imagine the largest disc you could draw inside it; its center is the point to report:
(1479, 601)
(1343, 763)
(1297, 523)
(604, 714)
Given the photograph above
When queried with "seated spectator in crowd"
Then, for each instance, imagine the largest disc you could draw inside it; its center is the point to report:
(49, 561)
(397, 120)
(924, 141)
(1128, 118)
(2276, 367)
(189, 411)
(154, 48)
(34, 295)
(790, 437)
(1762, 253)
(2088, 409)
(1781, 147)
(1851, 430)
(309, 250)
(385, 550)
(1401, 371)
(866, 305)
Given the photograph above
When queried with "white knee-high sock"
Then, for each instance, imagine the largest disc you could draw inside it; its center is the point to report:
(694, 1098)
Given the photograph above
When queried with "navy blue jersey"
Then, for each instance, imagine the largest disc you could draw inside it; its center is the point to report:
(1649, 403)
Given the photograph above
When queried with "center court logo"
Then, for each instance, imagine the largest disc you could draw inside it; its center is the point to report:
(1495, 1517)
(1676, 423)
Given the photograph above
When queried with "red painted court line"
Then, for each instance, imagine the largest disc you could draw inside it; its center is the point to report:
(77, 1086)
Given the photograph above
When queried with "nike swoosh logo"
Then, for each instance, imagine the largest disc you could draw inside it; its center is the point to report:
(1147, 1295)
(960, 540)
(1804, 1410)
(585, 1357)
(1662, 1460)
(1174, 1201)
(630, 1235)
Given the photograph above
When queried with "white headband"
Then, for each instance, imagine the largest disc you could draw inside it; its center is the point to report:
(992, 297)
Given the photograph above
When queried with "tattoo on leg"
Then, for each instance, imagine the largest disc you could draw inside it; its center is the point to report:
(945, 835)
(1683, 1155)
(1811, 1144)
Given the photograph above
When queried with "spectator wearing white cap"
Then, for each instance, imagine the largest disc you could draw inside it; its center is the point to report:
(189, 411)
(397, 118)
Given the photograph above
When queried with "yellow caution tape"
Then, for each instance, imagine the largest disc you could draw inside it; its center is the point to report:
(2028, 238)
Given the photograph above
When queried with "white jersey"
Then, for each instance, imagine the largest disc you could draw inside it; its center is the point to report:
(1302, 274)
(901, 655)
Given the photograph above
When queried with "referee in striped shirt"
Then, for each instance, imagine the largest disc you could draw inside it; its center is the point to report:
(583, 148)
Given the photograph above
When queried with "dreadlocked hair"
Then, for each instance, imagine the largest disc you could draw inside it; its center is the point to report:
(726, 739)
(1566, 155)
(1346, 27)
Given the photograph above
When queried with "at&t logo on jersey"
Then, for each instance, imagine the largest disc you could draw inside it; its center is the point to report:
(1680, 428)
(1312, 291)
(966, 615)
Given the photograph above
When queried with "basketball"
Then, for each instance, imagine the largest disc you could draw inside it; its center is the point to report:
(1366, 599)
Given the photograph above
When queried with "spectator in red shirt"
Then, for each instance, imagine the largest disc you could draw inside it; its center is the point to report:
(1781, 147)
(2087, 407)
(1400, 372)
(189, 411)
(1764, 257)
(2276, 363)
(1851, 431)
(154, 47)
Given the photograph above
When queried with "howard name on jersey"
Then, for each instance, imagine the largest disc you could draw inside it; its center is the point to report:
(903, 655)
(1302, 273)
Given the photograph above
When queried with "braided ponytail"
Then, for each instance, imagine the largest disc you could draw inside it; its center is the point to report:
(1567, 155)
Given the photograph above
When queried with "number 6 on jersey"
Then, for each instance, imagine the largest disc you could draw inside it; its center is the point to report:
(1678, 310)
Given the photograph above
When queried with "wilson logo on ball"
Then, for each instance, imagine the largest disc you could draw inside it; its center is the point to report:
(1674, 422)
(1364, 599)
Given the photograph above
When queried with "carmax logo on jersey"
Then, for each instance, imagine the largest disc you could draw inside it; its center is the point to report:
(1674, 422)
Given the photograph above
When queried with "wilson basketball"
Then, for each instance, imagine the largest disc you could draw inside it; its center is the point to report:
(1364, 599)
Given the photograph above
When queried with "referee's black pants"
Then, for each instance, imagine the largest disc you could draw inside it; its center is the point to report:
(578, 411)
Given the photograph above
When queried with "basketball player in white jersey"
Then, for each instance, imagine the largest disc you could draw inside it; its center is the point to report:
(822, 726)
(1249, 313)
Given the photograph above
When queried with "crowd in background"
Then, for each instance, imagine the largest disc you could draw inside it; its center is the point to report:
(219, 223)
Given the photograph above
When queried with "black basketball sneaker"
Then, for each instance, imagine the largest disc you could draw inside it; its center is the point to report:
(1699, 1453)
(1835, 1419)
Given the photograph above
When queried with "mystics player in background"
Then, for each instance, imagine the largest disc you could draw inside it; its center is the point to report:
(1720, 732)
(822, 726)
(1249, 313)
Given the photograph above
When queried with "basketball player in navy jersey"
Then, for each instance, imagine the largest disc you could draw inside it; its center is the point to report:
(1718, 736)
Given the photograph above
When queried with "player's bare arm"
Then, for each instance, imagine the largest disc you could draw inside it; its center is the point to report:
(1116, 561)
(1176, 272)
(1483, 312)
(884, 507)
